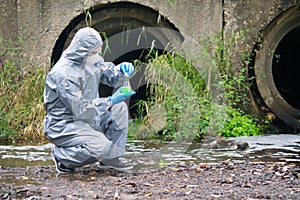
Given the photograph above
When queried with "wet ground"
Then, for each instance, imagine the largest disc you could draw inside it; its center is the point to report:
(267, 169)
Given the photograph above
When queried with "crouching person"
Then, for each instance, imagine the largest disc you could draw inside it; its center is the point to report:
(84, 127)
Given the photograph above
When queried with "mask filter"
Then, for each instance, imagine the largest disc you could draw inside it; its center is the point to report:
(94, 60)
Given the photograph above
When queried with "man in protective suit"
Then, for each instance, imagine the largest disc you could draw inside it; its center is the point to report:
(84, 127)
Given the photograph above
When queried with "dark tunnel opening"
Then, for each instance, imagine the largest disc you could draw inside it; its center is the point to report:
(286, 69)
(138, 81)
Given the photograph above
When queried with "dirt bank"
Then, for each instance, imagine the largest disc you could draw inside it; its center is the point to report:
(226, 180)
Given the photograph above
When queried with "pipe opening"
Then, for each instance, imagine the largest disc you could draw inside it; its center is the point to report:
(286, 68)
(277, 69)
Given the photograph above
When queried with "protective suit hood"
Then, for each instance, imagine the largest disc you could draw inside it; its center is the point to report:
(83, 43)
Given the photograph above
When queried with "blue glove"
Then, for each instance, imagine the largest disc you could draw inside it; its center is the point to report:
(119, 96)
(127, 68)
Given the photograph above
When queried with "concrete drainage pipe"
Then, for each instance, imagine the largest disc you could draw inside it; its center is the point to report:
(277, 67)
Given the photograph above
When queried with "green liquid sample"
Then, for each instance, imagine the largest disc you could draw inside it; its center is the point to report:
(125, 90)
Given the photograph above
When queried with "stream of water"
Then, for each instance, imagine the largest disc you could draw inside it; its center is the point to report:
(154, 154)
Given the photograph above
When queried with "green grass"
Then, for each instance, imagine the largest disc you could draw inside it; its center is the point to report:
(21, 100)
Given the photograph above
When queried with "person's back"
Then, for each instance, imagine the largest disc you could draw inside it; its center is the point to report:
(55, 108)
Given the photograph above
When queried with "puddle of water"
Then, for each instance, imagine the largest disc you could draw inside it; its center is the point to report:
(273, 148)
(281, 147)
(153, 154)
(16, 156)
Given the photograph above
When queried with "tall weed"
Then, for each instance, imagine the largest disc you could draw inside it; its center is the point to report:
(233, 56)
(178, 101)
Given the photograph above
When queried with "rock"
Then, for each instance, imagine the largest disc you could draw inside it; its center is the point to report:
(242, 145)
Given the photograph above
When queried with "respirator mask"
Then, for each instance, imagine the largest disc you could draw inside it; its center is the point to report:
(94, 58)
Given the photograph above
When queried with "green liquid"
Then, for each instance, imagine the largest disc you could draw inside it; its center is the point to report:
(125, 90)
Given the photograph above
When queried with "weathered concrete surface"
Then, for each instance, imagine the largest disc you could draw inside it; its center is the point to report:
(8, 25)
(252, 16)
(8, 19)
(40, 22)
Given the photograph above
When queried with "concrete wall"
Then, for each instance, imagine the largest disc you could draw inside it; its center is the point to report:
(8, 24)
(8, 18)
(40, 22)
(252, 16)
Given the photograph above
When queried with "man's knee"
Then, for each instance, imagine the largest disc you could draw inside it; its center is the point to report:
(120, 111)
(120, 115)
(99, 146)
(120, 108)
(102, 150)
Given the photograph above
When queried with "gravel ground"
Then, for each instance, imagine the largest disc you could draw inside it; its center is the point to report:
(226, 180)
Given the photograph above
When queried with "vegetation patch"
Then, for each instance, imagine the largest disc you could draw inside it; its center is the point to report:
(21, 105)
(186, 103)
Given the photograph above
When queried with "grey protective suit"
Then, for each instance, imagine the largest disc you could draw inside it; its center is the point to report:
(84, 127)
